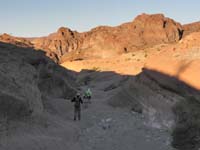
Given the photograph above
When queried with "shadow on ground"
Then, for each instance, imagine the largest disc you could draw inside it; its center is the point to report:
(31, 84)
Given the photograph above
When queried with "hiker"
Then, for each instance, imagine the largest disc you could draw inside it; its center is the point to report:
(77, 100)
(88, 95)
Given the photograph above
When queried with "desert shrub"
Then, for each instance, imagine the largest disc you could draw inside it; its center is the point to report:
(177, 55)
(125, 50)
(78, 59)
(96, 69)
(127, 59)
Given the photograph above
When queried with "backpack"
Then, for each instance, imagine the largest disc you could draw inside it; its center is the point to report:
(88, 93)
(77, 102)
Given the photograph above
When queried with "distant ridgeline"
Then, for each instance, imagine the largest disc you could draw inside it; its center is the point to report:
(144, 31)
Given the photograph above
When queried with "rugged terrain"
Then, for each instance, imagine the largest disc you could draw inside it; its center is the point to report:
(144, 31)
(28, 78)
(36, 112)
(144, 76)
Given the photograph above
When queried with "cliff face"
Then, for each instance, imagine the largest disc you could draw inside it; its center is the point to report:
(59, 43)
(27, 77)
(157, 29)
(144, 31)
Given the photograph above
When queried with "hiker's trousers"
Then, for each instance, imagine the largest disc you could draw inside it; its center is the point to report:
(77, 113)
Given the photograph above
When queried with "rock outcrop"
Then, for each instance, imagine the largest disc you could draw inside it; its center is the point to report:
(21, 42)
(157, 29)
(144, 31)
(27, 78)
(190, 28)
(59, 43)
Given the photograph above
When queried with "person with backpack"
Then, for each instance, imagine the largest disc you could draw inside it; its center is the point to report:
(88, 95)
(77, 100)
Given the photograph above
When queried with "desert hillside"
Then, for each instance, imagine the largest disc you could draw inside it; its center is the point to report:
(144, 77)
(149, 40)
(104, 41)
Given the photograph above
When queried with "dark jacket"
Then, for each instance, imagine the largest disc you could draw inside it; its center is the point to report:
(77, 101)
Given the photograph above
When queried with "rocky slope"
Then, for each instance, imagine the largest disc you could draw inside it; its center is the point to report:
(104, 42)
(164, 102)
(53, 127)
(144, 31)
(27, 78)
(21, 42)
(192, 27)
(59, 43)
(156, 78)
(180, 60)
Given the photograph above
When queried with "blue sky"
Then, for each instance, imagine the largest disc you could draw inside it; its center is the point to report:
(30, 18)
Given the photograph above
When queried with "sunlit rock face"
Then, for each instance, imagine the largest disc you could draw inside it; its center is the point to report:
(180, 60)
(59, 43)
(190, 28)
(104, 41)
(21, 42)
(144, 31)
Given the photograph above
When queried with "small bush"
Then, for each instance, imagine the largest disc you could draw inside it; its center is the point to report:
(177, 55)
(158, 49)
(127, 59)
(96, 69)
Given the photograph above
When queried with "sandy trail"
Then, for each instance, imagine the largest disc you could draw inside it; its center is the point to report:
(106, 128)
(102, 127)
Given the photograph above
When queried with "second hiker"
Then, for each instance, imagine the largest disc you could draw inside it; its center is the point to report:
(88, 95)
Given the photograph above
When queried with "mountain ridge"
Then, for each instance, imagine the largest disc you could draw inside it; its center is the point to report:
(103, 41)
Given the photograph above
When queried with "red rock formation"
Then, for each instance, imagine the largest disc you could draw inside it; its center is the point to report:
(144, 31)
(192, 27)
(59, 43)
(21, 42)
(157, 29)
